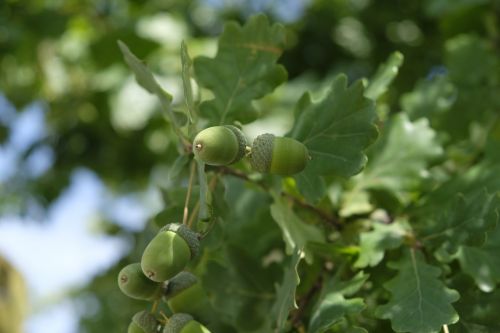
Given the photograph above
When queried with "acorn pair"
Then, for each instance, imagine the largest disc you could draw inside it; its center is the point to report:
(165, 256)
(145, 322)
(224, 145)
(183, 294)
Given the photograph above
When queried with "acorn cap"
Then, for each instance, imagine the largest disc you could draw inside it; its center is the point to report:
(242, 142)
(178, 283)
(187, 234)
(146, 321)
(262, 153)
(177, 322)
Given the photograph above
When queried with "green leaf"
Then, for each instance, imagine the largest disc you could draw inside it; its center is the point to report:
(186, 81)
(477, 97)
(420, 302)
(332, 305)
(239, 288)
(463, 49)
(430, 98)
(343, 326)
(355, 201)
(483, 263)
(465, 222)
(285, 293)
(311, 186)
(384, 76)
(337, 129)
(400, 159)
(243, 70)
(478, 310)
(296, 233)
(374, 243)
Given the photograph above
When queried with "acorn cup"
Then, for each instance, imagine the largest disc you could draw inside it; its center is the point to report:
(169, 252)
(143, 322)
(135, 284)
(220, 145)
(278, 155)
(184, 323)
(184, 294)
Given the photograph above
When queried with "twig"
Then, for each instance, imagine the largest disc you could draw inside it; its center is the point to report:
(324, 216)
(237, 173)
(188, 195)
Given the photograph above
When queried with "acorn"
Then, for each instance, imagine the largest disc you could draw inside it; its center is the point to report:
(143, 322)
(184, 294)
(169, 252)
(220, 145)
(135, 284)
(278, 155)
(184, 323)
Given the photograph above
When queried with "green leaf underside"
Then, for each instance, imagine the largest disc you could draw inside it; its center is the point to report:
(145, 79)
(465, 222)
(285, 293)
(296, 233)
(202, 180)
(419, 302)
(337, 129)
(143, 75)
(243, 70)
(384, 76)
(401, 159)
(483, 263)
(333, 306)
(186, 81)
(374, 243)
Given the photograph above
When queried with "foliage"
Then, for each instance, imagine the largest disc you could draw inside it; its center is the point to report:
(396, 214)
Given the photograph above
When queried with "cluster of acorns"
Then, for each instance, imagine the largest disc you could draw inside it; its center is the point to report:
(224, 145)
(161, 275)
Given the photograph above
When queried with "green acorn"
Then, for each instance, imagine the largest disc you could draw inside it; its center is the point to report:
(184, 293)
(220, 145)
(169, 252)
(143, 322)
(135, 284)
(184, 323)
(278, 155)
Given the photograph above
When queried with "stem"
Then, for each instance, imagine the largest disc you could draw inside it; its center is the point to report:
(155, 306)
(193, 214)
(190, 186)
(445, 329)
(164, 319)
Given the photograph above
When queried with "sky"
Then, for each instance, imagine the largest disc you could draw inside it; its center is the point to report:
(62, 248)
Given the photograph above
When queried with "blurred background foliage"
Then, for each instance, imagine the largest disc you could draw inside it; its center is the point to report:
(63, 55)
